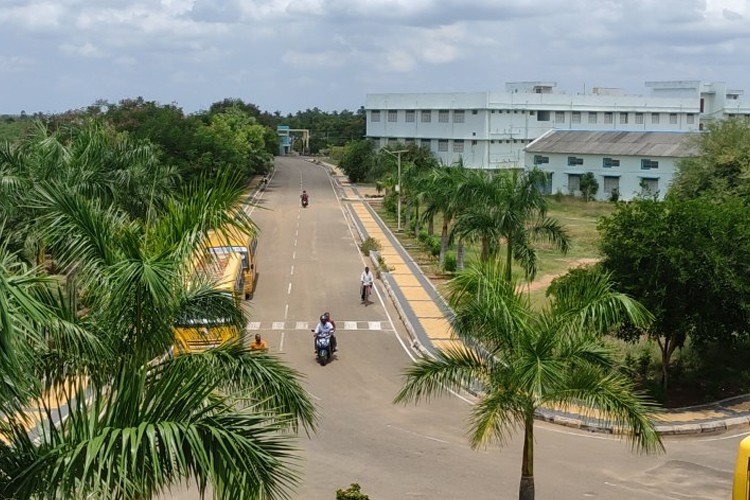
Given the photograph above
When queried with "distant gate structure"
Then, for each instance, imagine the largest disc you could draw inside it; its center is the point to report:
(286, 136)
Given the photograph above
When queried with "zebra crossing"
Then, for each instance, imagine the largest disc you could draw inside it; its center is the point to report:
(306, 325)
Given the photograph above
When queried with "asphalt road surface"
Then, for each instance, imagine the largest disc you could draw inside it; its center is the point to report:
(309, 263)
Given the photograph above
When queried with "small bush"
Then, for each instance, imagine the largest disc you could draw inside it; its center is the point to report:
(353, 492)
(433, 245)
(423, 235)
(451, 263)
(369, 244)
(614, 195)
(558, 196)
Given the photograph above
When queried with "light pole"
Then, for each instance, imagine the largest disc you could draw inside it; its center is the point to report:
(397, 154)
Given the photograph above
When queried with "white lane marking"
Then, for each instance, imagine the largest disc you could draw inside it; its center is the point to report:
(253, 325)
(286, 312)
(350, 325)
(373, 325)
(294, 255)
(301, 325)
(292, 272)
(418, 434)
(289, 290)
(281, 342)
(277, 325)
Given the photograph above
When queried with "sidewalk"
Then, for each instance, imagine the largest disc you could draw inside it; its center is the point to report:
(426, 317)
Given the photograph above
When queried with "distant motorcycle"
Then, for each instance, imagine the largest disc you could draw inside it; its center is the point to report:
(304, 202)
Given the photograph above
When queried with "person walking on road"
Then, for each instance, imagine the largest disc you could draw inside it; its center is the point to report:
(258, 344)
(367, 279)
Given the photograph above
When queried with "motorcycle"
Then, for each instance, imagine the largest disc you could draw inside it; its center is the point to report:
(304, 202)
(323, 348)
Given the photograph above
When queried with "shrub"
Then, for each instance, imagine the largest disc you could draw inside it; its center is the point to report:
(369, 244)
(433, 245)
(353, 492)
(423, 235)
(614, 195)
(558, 196)
(451, 263)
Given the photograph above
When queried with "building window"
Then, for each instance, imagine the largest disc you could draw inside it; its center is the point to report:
(425, 143)
(609, 117)
(649, 185)
(409, 141)
(647, 164)
(442, 146)
(655, 118)
(639, 118)
(611, 184)
(559, 116)
(458, 116)
(673, 118)
(623, 118)
(410, 116)
(458, 146)
(375, 116)
(690, 119)
(610, 162)
(574, 183)
(392, 115)
(540, 160)
(592, 116)
(443, 116)
(575, 117)
(473, 143)
(426, 116)
(573, 161)
(475, 111)
(542, 116)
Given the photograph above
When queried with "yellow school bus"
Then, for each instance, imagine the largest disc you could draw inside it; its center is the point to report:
(194, 334)
(237, 241)
(741, 487)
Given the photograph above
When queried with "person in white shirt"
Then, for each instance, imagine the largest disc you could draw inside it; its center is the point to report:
(367, 279)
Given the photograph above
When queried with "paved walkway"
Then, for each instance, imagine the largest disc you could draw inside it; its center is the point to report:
(426, 317)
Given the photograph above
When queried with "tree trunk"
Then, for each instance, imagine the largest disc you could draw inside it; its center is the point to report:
(667, 348)
(443, 243)
(526, 488)
(509, 262)
(408, 215)
(416, 219)
(460, 255)
(431, 226)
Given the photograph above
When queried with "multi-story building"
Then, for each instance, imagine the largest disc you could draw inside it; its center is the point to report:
(490, 129)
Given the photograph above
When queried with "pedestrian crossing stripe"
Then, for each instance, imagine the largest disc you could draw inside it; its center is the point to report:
(306, 325)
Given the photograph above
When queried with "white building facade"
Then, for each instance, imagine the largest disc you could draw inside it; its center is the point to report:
(490, 129)
(630, 163)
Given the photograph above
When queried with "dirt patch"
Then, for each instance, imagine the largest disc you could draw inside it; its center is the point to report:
(546, 280)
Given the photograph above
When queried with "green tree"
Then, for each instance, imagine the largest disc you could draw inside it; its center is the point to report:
(688, 262)
(508, 206)
(439, 190)
(138, 421)
(358, 160)
(722, 166)
(522, 360)
(589, 186)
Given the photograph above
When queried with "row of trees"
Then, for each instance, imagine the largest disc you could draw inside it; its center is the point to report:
(95, 234)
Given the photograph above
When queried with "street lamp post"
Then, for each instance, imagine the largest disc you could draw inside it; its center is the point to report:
(397, 154)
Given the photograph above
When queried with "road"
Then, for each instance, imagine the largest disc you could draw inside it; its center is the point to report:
(309, 263)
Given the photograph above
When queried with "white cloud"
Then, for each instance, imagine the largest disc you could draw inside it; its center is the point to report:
(87, 50)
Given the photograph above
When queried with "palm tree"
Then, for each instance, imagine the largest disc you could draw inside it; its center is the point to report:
(439, 192)
(523, 360)
(138, 421)
(508, 207)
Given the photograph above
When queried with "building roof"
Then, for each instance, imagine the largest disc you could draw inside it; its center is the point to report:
(615, 143)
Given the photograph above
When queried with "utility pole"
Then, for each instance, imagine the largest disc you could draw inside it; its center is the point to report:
(397, 154)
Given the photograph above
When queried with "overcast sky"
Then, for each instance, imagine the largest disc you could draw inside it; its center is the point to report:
(290, 55)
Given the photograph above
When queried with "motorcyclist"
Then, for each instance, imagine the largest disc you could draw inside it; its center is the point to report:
(304, 197)
(330, 319)
(325, 327)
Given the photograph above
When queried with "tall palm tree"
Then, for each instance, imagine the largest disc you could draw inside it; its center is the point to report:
(439, 191)
(523, 360)
(508, 207)
(138, 421)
